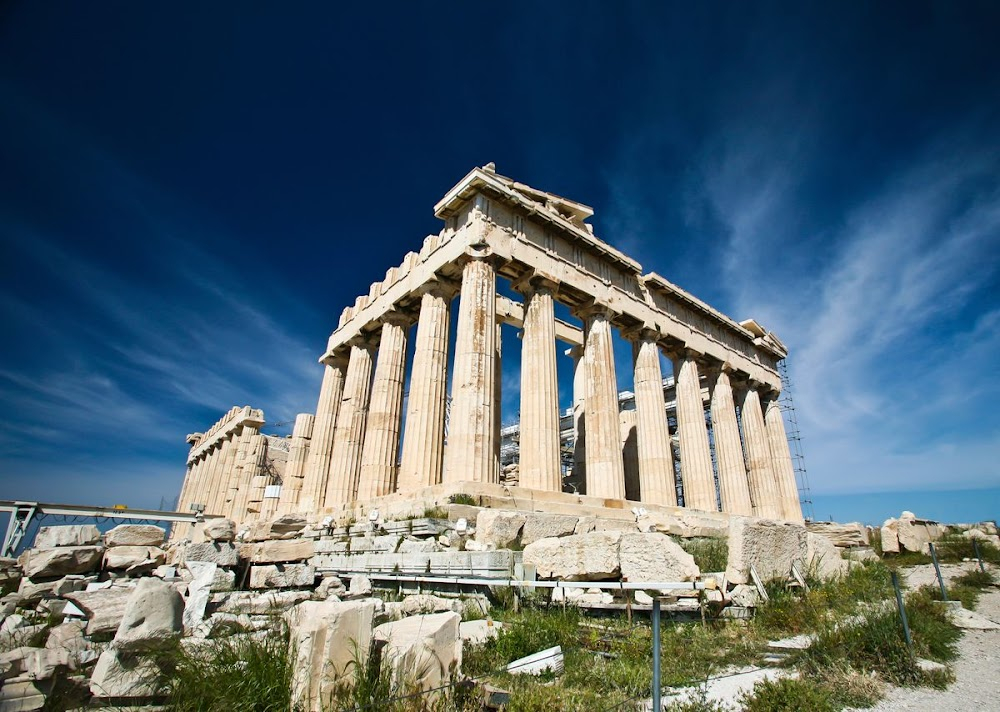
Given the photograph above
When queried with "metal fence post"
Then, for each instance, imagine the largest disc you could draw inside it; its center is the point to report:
(979, 557)
(937, 568)
(657, 702)
(902, 612)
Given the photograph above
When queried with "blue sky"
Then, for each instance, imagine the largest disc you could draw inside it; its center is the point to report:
(190, 194)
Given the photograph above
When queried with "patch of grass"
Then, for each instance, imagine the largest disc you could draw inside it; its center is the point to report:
(788, 695)
(242, 672)
(955, 548)
(709, 554)
(461, 498)
(934, 636)
(975, 579)
(906, 558)
(435, 513)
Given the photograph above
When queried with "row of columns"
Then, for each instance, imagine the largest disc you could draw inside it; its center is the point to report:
(355, 436)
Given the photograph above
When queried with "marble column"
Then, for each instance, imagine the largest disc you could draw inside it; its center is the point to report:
(628, 420)
(423, 439)
(472, 435)
(228, 454)
(251, 460)
(298, 453)
(185, 494)
(763, 488)
(734, 488)
(349, 435)
(385, 412)
(212, 474)
(656, 461)
(697, 477)
(237, 487)
(539, 464)
(317, 471)
(781, 462)
(579, 475)
(191, 482)
(605, 468)
(258, 477)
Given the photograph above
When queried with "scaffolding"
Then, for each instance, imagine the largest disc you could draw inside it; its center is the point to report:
(787, 405)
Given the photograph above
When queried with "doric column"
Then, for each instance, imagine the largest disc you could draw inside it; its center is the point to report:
(627, 420)
(734, 488)
(579, 475)
(539, 464)
(189, 493)
(781, 462)
(252, 461)
(183, 499)
(497, 400)
(423, 438)
(605, 469)
(763, 488)
(258, 477)
(696, 459)
(656, 461)
(298, 453)
(385, 412)
(238, 489)
(349, 435)
(471, 436)
(228, 455)
(210, 483)
(317, 470)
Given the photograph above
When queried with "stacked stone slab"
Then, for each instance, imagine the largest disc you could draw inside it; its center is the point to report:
(351, 452)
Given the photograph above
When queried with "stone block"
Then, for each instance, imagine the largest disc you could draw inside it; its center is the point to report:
(104, 608)
(219, 530)
(499, 527)
(135, 535)
(46, 563)
(360, 585)
(23, 695)
(771, 547)
(417, 546)
(423, 651)
(124, 557)
(823, 558)
(581, 557)
(848, 535)
(479, 632)
(888, 536)
(277, 552)
(914, 535)
(654, 557)
(152, 617)
(216, 552)
(282, 576)
(68, 635)
(198, 592)
(224, 580)
(259, 604)
(34, 663)
(67, 535)
(331, 546)
(547, 526)
(425, 603)
(120, 674)
(324, 637)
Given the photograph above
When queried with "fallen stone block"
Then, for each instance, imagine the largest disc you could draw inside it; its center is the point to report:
(121, 674)
(888, 536)
(823, 558)
(47, 563)
(547, 526)
(258, 603)
(282, 576)
(215, 552)
(34, 663)
(104, 608)
(771, 547)
(360, 585)
(423, 651)
(417, 546)
(654, 557)
(278, 552)
(498, 527)
(325, 638)
(425, 603)
(968, 620)
(845, 536)
(153, 616)
(580, 557)
(198, 592)
(479, 632)
(124, 557)
(68, 636)
(219, 530)
(67, 535)
(548, 660)
(135, 535)
(22, 695)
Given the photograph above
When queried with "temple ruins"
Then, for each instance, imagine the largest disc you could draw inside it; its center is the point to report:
(707, 437)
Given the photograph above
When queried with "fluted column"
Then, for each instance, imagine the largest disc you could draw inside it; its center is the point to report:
(696, 459)
(191, 484)
(317, 472)
(237, 487)
(656, 461)
(385, 412)
(605, 468)
(628, 421)
(298, 453)
(211, 481)
(258, 477)
(579, 476)
(539, 464)
(184, 496)
(471, 446)
(423, 439)
(228, 455)
(781, 462)
(763, 488)
(349, 435)
(248, 467)
(734, 488)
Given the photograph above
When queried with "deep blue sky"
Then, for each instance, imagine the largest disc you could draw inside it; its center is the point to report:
(191, 193)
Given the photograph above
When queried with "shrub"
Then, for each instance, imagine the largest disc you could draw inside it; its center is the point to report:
(464, 499)
(709, 554)
(788, 694)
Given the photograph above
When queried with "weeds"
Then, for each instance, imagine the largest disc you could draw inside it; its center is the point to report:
(956, 548)
(464, 499)
(788, 694)
(709, 554)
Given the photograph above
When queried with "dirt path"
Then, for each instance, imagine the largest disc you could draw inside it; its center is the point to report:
(977, 669)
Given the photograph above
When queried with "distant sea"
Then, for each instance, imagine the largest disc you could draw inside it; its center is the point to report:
(947, 506)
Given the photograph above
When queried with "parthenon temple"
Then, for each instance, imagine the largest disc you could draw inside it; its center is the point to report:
(701, 428)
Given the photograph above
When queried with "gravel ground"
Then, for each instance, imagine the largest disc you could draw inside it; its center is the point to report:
(977, 669)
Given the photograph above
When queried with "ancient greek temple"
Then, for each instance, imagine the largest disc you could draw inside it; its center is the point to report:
(708, 436)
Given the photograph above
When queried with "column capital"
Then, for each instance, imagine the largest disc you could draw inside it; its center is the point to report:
(643, 332)
(438, 286)
(479, 252)
(397, 318)
(336, 359)
(574, 352)
(364, 341)
(593, 308)
(677, 352)
(534, 281)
